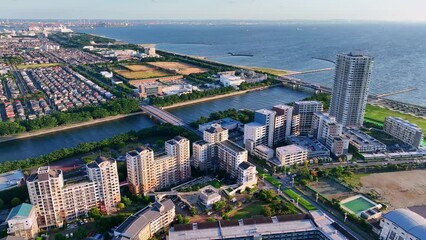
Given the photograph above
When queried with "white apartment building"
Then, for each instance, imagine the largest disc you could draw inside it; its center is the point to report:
(404, 130)
(269, 127)
(351, 88)
(216, 150)
(22, 221)
(145, 223)
(304, 112)
(215, 134)
(45, 192)
(363, 142)
(202, 155)
(57, 200)
(291, 154)
(147, 172)
(228, 79)
(230, 157)
(247, 174)
(264, 152)
(103, 172)
(326, 130)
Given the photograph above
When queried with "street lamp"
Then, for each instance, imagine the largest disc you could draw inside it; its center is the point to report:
(346, 216)
(316, 198)
(297, 201)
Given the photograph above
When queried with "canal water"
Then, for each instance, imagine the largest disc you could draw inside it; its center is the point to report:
(36, 146)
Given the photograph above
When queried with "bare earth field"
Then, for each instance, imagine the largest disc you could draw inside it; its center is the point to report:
(179, 68)
(398, 189)
(141, 71)
(331, 189)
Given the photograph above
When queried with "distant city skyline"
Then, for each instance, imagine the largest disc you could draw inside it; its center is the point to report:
(387, 10)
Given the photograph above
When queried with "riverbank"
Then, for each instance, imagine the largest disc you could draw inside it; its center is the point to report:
(206, 99)
(63, 128)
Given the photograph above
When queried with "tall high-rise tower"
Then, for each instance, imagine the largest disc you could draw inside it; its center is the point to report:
(350, 90)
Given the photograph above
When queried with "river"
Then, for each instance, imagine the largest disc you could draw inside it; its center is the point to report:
(36, 146)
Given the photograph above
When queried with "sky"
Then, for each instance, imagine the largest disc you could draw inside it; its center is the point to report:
(388, 10)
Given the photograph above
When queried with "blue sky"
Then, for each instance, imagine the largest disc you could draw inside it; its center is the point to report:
(390, 10)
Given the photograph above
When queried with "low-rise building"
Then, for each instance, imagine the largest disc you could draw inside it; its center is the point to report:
(145, 223)
(11, 179)
(148, 90)
(290, 227)
(22, 221)
(208, 196)
(315, 148)
(226, 123)
(402, 224)
(363, 142)
(264, 152)
(229, 79)
(404, 130)
(291, 154)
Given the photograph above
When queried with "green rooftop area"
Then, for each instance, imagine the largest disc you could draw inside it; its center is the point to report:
(22, 210)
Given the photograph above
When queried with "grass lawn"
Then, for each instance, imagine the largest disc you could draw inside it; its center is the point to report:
(249, 211)
(41, 65)
(272, 71)
(378, 114)
(216, 183)
(382, 137)
(302, 201)
(354, 180)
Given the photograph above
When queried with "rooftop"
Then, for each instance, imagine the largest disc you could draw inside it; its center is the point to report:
(242, 228)
(22, 210)
(290, 149)
(10, 179)
(409, 221)
(215, 128)
(233, 146)
(245, 165)
(132, 226)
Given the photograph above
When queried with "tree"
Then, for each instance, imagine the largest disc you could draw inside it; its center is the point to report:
(219, 205)
(95, 213)
(126, 201)
(267, 211)
(81, 233)
(15, 201)
(181, 219)
(121, 205)
(194, 211)
(59, 236)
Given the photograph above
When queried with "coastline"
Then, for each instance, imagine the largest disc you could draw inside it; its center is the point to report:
(63, 128)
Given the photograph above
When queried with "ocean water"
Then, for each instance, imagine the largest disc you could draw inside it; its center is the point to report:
(399, 49)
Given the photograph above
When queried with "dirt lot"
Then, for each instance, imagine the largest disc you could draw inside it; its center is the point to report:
(141, 71)
(332, 189)
(398, 189)
(179, 68)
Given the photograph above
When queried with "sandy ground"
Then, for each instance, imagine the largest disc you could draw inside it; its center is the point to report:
(398, 189)
(180, 68)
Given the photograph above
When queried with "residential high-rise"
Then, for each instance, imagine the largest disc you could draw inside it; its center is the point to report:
(45, 192)
(103, 172)
(179, 148)
(147, 172)
(404, 130)
(269, 127)
(303, 112)
(217, 151)
(57, 201)
(350, 89)
(330, 133)
(291, 154)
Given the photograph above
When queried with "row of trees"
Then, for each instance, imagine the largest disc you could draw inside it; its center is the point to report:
(117, 142)
(87, 113)
(244, 116)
